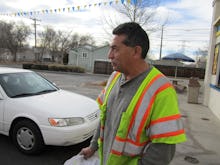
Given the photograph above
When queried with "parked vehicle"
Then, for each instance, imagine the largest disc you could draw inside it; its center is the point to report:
(34, 112)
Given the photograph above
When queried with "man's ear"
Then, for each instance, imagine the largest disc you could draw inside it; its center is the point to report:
(138, 51)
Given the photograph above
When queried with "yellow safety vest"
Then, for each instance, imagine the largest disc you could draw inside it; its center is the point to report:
(148, 118)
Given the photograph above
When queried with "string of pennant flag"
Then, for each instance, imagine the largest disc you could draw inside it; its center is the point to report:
(67, 9)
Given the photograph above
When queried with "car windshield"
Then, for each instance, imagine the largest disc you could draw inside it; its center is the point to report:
(25, 84)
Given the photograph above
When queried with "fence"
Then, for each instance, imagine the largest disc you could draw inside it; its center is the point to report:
(104, 67)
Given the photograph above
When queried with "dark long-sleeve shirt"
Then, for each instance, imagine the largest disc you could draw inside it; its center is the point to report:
(118, 101)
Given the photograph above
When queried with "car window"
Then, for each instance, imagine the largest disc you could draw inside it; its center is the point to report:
(25, 84)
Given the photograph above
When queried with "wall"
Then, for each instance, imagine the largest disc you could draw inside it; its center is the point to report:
(76, 57)
(102, 67)
(72, 58)
(100, 54)
(212, 90)
(182, 71)
(214, 103)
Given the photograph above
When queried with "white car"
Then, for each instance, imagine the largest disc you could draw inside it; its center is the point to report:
(34, 112)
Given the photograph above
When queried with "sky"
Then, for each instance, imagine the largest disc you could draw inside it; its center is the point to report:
(187, 27)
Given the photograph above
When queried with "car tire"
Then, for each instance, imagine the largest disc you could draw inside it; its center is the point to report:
(27, 137)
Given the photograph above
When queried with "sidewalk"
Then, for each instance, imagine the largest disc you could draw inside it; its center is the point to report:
(201, 125)
(203, 134)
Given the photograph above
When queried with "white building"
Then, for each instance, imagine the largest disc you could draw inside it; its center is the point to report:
(212, 75)
(85, 56)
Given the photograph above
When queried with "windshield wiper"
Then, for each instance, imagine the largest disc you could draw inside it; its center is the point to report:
(32, 94)
(45, 91)
(23, 95)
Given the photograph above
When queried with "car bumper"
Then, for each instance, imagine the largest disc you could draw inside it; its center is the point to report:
(65, 136)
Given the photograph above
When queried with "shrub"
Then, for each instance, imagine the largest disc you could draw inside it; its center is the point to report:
(39, 66)
(66, 68)
(27, 65)
(54, 67)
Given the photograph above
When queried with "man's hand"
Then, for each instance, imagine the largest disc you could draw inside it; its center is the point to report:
(87, 152)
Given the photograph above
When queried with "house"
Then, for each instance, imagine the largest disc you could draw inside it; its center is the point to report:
(23, 54)
(5, 54)
(27, 54)
(212, 75)
(86, 55)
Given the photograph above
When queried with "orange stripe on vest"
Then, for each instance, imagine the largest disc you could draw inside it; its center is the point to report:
(140, 100)
(130, 141)
(147, 112)
(179, 132)
(174, 117)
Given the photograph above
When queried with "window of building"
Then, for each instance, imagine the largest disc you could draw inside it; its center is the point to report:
(84, 55)
(218, 30)
(215, 60)
(216, 65)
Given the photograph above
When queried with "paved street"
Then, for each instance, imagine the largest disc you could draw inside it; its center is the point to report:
(86, 84)
(9, 155)
(201, 125)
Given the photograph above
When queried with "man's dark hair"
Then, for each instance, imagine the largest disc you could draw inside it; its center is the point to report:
(135, 36)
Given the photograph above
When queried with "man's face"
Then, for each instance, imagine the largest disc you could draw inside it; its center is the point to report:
(120, 54)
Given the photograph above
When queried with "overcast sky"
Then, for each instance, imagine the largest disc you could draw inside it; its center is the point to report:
(188, 28)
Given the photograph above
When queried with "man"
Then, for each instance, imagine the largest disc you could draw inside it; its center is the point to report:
(139, 121)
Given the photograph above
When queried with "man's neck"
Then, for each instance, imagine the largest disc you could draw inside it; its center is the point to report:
(136, 70)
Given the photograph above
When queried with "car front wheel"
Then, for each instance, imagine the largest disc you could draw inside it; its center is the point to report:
(27, 137)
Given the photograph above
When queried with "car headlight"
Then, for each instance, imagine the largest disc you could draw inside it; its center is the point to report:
(63, 122)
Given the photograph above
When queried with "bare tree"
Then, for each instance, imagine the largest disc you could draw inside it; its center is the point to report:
(13, 36)
(140, 11)
(58, 43)
(62, 41)
(3, 26)
(86, 39)
(74, 41)
(77, 40)
(47, 37)
(201, 53)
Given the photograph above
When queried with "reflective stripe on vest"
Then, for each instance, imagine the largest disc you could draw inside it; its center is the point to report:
(130, 149)
(144, 104)
(164, 127)
(101, 97)
(102, 101)
(140, 109)
(105, 92)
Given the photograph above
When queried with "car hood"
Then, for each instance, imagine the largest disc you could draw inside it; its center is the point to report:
(59, 104)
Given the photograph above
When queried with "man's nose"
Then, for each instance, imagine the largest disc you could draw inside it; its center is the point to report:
(110, 54)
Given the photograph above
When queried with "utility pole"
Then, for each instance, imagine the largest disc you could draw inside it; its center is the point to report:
(36, 54)
(161, 41)
(35, 30)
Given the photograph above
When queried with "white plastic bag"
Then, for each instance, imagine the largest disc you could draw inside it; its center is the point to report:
(79, 160)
